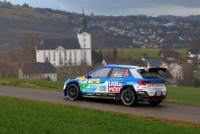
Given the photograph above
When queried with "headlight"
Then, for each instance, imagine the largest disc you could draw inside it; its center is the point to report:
(64, 86)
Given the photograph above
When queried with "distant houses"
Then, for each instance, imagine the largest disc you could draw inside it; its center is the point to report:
(168, 55)
(36, 70)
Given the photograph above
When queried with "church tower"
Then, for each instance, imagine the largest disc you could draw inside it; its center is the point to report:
(84, 39)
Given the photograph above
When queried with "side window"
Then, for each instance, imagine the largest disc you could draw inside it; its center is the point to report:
(100, 73)
(118, 72)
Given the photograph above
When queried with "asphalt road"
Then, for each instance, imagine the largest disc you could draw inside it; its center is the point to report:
(163, 111)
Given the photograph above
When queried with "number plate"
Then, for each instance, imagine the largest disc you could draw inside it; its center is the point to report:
(156, 88)
(158, 93)
(156, 84)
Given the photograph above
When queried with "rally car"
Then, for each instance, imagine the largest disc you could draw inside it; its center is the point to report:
(128, 84)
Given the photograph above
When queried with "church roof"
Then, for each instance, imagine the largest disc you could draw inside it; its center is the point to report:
(52, 44)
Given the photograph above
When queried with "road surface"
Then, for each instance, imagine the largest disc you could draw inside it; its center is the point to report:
(164, 110)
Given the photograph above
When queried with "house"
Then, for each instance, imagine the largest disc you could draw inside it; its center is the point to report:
(67, 52)
(176, 71)
(36, 70)
(168, 55)
(193, 53)
(156, 63)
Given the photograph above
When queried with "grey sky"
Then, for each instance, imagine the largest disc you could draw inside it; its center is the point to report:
(120, 7)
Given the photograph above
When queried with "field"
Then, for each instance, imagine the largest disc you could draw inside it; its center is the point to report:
(149, 52)
(24, 116)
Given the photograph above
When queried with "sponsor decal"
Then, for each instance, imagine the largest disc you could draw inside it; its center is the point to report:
(140, 89)
(90, 90)
(130, 83)
(83, 85)
(135, 73)
(94, 81)
(114, 87)
(81, 78)
(92, 86)
(102, 88)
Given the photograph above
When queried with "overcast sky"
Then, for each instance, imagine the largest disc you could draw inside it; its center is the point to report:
(120, 7)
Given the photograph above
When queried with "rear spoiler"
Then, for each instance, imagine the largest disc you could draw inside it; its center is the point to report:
(158, 69)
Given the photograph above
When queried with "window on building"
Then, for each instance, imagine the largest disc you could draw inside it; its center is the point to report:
(84, 55)
(49, 56)
(60, 55)
(70, 55)
(84, 45)
(44, 55)
(65, 55)
(84, 40)
(54, 56)
(75, 55)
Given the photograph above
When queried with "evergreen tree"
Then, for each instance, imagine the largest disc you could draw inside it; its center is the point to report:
(115, 53)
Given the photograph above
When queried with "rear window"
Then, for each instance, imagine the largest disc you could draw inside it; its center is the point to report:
(148, 74)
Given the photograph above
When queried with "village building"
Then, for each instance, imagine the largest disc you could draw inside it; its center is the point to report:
(36, 71)
(67, 52)
(176, 71)
(169, 55)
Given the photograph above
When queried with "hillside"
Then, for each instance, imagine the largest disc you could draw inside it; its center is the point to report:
(17, 21)
(106, 31)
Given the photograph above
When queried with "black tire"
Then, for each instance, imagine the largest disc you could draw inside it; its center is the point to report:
(73, 92)
(154, 103)
(128, 97)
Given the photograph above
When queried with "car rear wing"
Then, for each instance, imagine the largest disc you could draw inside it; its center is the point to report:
(158, 69)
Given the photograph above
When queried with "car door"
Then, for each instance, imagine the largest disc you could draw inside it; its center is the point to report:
(97, 81)
(117, 79)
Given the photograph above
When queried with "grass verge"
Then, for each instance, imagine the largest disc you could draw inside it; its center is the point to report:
(25, 116)
(178, 95)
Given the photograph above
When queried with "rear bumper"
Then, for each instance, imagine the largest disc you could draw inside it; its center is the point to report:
(144, 96)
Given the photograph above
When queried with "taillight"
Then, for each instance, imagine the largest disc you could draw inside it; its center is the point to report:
(143, 83)
(163, 82)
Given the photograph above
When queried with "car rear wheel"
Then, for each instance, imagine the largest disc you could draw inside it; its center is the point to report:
(128, 97)
(154, 103)
(72, 92)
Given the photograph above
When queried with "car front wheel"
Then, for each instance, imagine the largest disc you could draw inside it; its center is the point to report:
(72, 92)
(128, 97)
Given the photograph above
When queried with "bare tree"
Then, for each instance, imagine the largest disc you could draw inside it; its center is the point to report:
(27, 44)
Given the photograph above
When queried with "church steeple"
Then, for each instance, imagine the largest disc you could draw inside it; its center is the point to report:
(83, 22)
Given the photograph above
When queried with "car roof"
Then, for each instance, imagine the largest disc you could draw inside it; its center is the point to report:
(124, 66)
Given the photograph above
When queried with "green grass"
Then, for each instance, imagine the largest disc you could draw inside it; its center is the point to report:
(38, 84)
(178, 95)
(150, 52)
(24, 116)
(183, 95)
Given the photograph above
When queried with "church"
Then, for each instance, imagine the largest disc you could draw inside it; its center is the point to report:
(67, 52)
